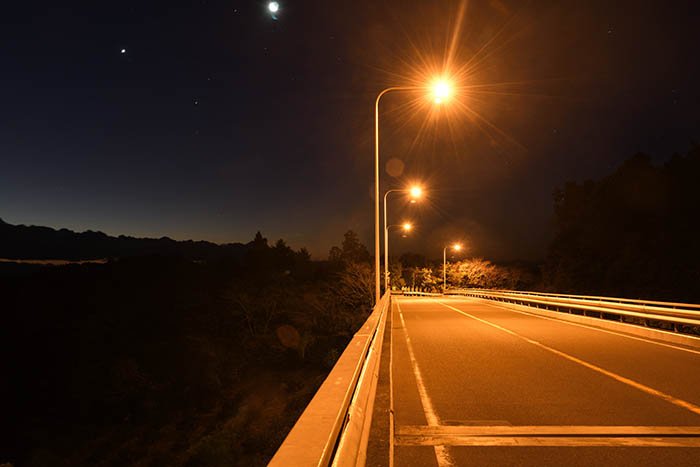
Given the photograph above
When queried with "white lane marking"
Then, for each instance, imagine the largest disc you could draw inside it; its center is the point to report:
(391, 386)
(441, 453)
(642, 387)
(552, 318)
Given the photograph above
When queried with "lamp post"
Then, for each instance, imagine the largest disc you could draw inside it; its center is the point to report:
(416, 192)
(455, 247)
(441, 91)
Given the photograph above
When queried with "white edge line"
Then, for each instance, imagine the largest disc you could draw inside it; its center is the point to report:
(391, 384)
(442, 454)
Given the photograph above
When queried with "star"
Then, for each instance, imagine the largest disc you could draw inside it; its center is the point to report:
(123, 51)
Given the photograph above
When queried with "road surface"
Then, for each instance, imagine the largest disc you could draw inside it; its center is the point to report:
(478, 384)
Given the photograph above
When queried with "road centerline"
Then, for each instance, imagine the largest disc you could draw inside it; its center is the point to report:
(637, 385)
(593, 328)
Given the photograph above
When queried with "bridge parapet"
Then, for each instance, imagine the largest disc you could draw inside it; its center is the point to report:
(681, 319)
(334, 427)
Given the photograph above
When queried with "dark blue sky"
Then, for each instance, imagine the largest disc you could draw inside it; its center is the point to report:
(219, 121)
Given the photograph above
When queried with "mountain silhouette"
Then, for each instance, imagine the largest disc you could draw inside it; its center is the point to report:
(37, 242)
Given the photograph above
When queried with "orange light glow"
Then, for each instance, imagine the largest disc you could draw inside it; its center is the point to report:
(407, 226)
(416, 193)
(456, 247)
(441, 91)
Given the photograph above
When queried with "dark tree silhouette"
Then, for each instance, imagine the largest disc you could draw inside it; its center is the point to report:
(632, 233)
(351, 250)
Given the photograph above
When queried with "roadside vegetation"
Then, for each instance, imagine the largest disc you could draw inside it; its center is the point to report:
(159, 360)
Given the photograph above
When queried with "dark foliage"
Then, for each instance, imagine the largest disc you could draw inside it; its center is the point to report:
(351, 250)
(631, 234)
(166, 361)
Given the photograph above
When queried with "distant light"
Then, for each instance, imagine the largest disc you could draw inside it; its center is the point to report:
(456, 247)
(407, 226)
(123, 51)
(274, 7)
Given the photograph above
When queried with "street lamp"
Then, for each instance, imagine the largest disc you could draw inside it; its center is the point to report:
(405, 227)
(455, 247)
(440, 91)
(416, 193)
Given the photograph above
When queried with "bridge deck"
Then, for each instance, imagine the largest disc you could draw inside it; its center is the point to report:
(480, 384)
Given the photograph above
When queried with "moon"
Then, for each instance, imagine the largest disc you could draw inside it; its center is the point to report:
(273, 8)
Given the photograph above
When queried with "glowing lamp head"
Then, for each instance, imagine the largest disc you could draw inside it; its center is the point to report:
(416, 192)
(456, 247)
(407, 226)
(273, 7)
(441, 91)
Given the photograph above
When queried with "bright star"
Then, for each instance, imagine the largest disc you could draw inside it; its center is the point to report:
(123, 51)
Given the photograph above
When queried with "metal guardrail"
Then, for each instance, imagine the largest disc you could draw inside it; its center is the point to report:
(416, 293)
(682, 318)
(334, 427)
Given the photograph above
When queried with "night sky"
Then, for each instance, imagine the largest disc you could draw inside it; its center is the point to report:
(213, 119)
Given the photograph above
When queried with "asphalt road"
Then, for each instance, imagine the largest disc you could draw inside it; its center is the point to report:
(477, 384)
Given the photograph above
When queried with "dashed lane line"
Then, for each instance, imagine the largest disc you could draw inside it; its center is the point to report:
(642, 387)
(593, 328)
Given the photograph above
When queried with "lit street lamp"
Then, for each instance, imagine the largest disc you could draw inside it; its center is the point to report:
(440, 91)
(416, 193)
(406, 227)
(455, 247)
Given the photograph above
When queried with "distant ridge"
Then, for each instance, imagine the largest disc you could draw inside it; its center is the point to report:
(36, 242)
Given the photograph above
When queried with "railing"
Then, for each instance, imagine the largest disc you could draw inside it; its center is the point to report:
(334, 427)
(412, 292)
(682, 318)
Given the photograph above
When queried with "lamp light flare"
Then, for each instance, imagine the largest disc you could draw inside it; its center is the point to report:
(441, 90)
(416, 192)
(274, 7)
(457, 247)
(407, 226)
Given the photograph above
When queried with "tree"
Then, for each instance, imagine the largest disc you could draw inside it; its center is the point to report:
(351, 250)
(355, 281)
(396, 275)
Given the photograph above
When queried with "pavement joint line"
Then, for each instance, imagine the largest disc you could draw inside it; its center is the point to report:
(549, 441)
(642, 387)
(552, 318)
(552, 430)
(442, 455)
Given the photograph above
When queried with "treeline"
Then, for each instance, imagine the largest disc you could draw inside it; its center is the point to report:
(414, 272)
(160, 360)
(631, 234)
